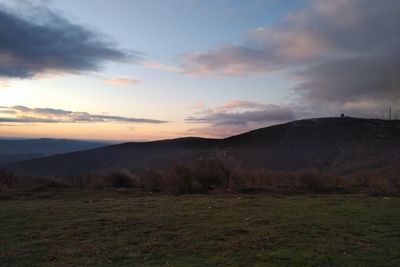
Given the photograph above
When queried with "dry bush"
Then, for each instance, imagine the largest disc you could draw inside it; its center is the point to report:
(315, 181)
(311, 181)
(218, 172)
(247, 180)
(374, 185)
(303, 181)
(380, 186)
(116, 179)
(83, 180)
(152, 180)
(45, 182)
(182, 180)
(214, 170)
(6, 178)
(208, 174)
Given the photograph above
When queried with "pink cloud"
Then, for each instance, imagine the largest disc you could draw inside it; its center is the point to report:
(235, 104)
(122, 81)
(199, 105)
(160, 66)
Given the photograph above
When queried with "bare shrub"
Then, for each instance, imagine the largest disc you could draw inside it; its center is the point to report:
(380, 186)
(47, 182)
(359, 182)
(183, 179)
(246, 180)
(312, 181)
(217, 172)
(115, 179)
(375, 185)
(6, 178)
(85, 180)
(214, 170)
(152, 180)
(284, 182)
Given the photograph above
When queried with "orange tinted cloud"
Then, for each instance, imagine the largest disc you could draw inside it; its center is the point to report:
(234, 104)
(122, 81)
(160, 66)
(199, 105)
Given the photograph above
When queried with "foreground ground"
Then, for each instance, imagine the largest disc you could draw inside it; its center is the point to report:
(117, 228)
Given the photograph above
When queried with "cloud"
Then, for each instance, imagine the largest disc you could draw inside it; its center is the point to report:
(323, 30)
(199, 105)
(7, 111)
(24, 114)
(271, 114)
(374, 78)
(280, 50)
(37, 40)
(238, 116)
(4, 84)
(160, 66)
(234, 104)
(122, 81)
(344, 55)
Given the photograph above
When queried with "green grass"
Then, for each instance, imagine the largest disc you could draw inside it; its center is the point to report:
(128, 228)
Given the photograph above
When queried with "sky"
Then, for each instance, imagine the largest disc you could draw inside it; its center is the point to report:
(147, 70)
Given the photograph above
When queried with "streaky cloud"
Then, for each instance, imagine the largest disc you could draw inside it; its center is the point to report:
(23, 114)
(122, 81)
(238, 116)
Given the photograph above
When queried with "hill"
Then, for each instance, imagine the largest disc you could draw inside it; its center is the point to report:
(336, 145)
(17, 150)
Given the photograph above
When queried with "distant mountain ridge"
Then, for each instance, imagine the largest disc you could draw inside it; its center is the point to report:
(341, 146)
(23, 149)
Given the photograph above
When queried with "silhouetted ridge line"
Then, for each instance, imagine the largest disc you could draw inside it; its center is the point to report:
(340, 145)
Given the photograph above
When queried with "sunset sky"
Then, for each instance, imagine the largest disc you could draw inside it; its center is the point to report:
(145, 70)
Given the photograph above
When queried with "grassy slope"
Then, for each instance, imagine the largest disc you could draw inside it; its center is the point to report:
(125, 228)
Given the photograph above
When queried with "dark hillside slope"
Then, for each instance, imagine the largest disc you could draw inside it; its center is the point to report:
(134, 156)
(337, 145)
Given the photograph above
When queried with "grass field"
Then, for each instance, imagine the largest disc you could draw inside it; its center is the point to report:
(128, 228)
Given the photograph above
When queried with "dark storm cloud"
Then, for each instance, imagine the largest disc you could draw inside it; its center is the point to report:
(357, 79)
(48, 115)
(36, 40)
